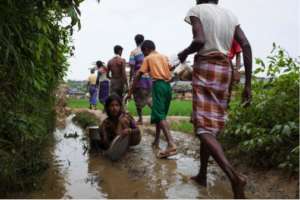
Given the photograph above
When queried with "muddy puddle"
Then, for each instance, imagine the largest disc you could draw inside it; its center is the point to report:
(76, 173)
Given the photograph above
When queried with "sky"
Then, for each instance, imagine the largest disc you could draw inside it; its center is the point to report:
(113, 22)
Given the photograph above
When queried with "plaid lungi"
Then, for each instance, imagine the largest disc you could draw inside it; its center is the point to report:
(142, 97)
(142, 92)
(117, 87)
(211, 85)
(103, 91)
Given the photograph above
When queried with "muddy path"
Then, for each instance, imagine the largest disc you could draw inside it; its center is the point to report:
(76, 173)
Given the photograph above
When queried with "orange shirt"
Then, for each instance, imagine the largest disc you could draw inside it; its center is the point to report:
(157, 65)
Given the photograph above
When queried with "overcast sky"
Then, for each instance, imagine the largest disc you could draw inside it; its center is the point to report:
(114, 22)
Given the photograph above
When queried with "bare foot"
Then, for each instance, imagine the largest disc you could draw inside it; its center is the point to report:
(200, 180)
(238, 187)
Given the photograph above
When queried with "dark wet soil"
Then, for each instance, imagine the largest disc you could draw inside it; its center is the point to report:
(76, 173)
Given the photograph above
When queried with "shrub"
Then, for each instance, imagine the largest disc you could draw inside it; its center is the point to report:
(34, 47)
(267, 132)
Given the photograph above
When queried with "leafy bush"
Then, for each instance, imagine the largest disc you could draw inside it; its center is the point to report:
(34, 47)
(267, 132)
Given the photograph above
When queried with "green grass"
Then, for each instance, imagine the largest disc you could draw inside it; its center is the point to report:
(177, 108)
(183, 126)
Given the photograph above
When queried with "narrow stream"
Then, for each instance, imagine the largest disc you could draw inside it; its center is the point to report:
(76, 173)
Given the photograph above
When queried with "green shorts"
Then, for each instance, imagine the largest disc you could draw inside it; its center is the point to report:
(161, 98)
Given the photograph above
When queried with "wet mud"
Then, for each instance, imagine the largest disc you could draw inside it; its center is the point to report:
(76, 173)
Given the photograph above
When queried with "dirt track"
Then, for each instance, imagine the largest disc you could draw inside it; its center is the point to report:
(262, 183)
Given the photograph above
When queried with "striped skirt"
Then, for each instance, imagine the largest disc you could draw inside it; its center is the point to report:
(103, 91)
(211, 85)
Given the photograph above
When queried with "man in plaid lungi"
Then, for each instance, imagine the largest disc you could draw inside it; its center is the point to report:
(214, 29)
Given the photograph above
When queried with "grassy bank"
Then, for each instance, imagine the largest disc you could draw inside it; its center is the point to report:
(177, 108)
(182, 126)
(86, 119)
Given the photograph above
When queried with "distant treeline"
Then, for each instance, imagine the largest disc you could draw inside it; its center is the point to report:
(81, 86)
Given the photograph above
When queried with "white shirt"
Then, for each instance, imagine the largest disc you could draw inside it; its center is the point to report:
(219, 26)
(102, 74)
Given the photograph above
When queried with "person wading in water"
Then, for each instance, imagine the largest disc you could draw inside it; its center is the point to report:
(214, 30)
(118, 122)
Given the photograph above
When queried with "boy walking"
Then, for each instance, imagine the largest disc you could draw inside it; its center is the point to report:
(157, 66)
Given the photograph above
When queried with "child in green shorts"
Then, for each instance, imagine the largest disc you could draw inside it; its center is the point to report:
(158, 67)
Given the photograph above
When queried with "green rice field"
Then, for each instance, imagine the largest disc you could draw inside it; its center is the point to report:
(177, 108)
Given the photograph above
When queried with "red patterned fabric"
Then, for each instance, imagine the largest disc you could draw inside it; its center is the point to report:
(235, 49)
(210, 97)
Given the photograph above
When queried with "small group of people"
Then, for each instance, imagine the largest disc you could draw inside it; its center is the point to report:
(98, 85)
(112, 79)
(150, 77)
(215, 32)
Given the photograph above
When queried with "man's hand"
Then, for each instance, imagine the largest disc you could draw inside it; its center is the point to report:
(246, 96)
(182, 56)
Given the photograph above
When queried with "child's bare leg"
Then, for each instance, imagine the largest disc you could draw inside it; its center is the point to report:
(157, 136)
(165, 128)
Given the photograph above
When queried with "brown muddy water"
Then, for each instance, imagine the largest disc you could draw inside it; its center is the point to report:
(76, 173)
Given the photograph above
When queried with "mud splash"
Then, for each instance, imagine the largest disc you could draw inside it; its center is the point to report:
(75, 173)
